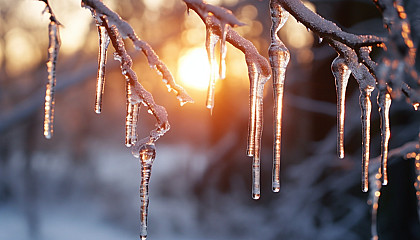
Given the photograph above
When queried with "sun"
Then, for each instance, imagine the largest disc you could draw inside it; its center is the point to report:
(194, 69)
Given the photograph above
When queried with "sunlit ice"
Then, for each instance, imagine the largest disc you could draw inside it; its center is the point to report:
(194, 69)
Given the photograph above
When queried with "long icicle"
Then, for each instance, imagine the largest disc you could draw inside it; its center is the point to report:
(53, 48)
(147, 155)
(256, 162)
(258, 81)
(366, 108)
(341, 74)
(100, 83)
(279, 58)
(384, 103)
(211, 41)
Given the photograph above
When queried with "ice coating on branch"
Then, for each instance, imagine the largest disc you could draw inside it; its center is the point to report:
(211, 40)
(204, 10)
(136, 94)
(341, 74)
(279, 59)
(147, 155)
(53, 48)
(324, 28)
(384, 103)
(100, 83)
(366, 108)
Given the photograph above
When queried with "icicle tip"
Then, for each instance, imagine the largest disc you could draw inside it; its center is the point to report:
(256, 196)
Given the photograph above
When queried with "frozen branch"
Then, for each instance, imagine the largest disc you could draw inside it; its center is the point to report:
(327, 29)
(140, 95)
(99, 9)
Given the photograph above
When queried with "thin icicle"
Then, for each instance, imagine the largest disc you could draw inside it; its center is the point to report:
(341, 74)
(256, 162)
(147, 156)
(53, 48)
(384, 103)
(223, 50)
(366, 107)
(100, 83)
(211, 41)
(279, 58)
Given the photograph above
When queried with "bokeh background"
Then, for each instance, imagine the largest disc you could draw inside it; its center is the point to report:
(83, 183)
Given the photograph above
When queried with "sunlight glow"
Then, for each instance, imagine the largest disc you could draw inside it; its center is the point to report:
(194, 69)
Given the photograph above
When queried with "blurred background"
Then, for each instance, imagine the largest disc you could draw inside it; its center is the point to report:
(83, 183)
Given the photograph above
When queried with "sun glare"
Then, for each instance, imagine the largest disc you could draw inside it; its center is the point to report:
(194, 69)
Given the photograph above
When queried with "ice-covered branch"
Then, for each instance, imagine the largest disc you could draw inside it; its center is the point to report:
(138, 93)
(125, 30)
(327, 29)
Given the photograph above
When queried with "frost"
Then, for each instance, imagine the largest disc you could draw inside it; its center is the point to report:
(279, 58)
(100, 83)
(53, 48)
(341, 74)
(147, 155)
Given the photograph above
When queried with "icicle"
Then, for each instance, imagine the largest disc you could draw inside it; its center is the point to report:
(223, 50)
(253, 76)
(256, 162)
(211, 41)
(366, 107)
(147, 156)
(375, 193)
(255, 125)
(341, 74)
(384, 103)
(53, 48)
(100, 83)
(131, 118)
(279, 58)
